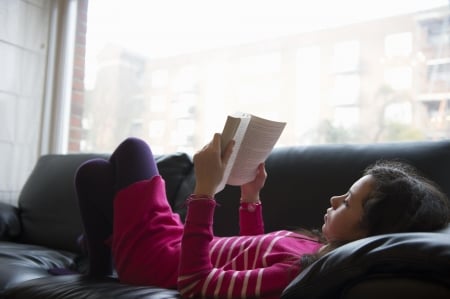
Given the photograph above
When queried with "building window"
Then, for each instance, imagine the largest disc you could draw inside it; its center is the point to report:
(439, 72)
(346, 89)
(438, 32)
(346, 56)
(256, 65)
(346, 117)
(398, 45)
(157, 129)
(308, 80)
(186, 79)
(399, 112)
(184, 105)
(160, 78)
(158, 103)
(399, 78)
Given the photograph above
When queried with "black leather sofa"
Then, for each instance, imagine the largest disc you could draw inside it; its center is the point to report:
(41, 233)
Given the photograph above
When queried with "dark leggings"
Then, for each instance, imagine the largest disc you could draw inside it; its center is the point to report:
(96, 183)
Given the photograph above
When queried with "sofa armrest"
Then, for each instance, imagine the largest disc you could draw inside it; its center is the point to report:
(9, 222)
(421, 256)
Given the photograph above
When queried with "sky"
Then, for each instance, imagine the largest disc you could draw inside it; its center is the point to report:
(159, 28)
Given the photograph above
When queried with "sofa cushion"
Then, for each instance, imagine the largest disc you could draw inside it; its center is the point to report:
(22, 262)
(423, 256)
(388, 287)
(79, 287)
(9, 222)
(48, 206)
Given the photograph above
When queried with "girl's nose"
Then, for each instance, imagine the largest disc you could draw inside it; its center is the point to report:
(336, 201)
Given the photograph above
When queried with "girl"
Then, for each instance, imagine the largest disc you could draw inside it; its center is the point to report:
(125, 198)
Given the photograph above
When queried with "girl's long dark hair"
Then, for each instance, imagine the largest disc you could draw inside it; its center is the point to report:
(402, 201)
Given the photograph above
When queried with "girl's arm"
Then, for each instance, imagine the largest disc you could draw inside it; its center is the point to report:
(197, 276)
(199, 279)
(250, 212)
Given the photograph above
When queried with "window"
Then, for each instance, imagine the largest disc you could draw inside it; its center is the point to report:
(308, 64)
(400, 112)
(331, 76)
(157, 129)
(346, 117)
(345, 90)
(398, 44)
(439, 72)
(398, 77)
(260, 64)
(377, 74)
(438, 31)
(346, 56)
(160, 78)
(158, 103)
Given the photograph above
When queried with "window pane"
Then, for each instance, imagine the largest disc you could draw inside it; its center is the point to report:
(346, 56)
(345, 90)
(377, 74)
(399, 44)
(308, 93)
(398, 77)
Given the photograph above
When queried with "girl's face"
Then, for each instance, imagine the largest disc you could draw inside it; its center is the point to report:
(342, 220)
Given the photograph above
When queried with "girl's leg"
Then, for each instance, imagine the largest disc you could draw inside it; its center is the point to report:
(133, 162)
(94, 183)
(147, 234)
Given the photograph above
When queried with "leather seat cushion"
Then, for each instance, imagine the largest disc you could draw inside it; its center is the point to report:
(77, 286)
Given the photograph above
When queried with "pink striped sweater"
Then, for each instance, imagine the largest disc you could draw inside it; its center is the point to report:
(152, 247)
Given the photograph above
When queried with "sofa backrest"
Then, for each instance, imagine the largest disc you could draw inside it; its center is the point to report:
(48, 205)
(302, 179)
(300, 182)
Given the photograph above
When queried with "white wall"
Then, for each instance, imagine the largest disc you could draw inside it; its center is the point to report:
(24, 32)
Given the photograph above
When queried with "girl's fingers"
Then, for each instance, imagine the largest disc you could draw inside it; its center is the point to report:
(228, 151)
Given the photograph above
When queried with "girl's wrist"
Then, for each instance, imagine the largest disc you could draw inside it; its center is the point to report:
(204, 191)
(250, 199)
(249, 194)
(196, 196)
(250, 206)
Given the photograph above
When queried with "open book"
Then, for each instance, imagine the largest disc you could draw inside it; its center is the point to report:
(254, 139)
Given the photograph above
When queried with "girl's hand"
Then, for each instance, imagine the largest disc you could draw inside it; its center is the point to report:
(209, 166)
(250, 191)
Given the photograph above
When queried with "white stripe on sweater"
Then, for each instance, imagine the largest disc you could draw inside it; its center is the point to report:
(216, 244)
(258, 248)
(253, 240)
(245, 285)
(272, 243)
(207, 281)
(219, 255)
(219, 284)
(258, 283)
(232, 247)
(185, 290)
(231, 286)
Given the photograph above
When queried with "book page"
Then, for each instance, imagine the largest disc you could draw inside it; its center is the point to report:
(229, 130)
(234, 129)
(259, 139)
